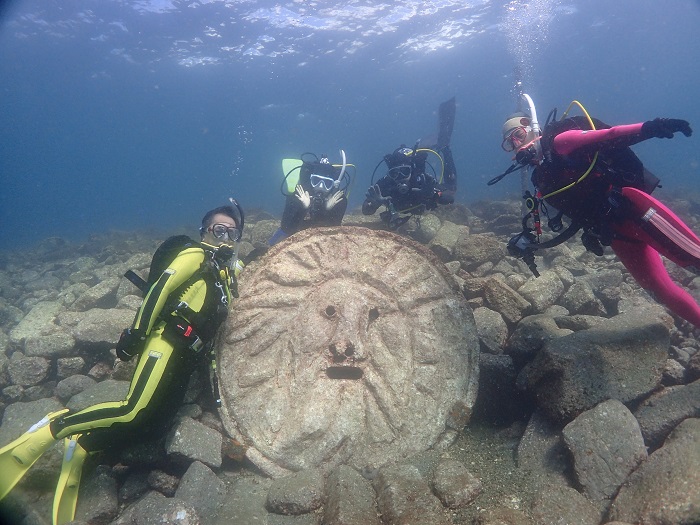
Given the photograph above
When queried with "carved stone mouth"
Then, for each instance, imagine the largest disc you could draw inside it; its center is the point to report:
(344, 372)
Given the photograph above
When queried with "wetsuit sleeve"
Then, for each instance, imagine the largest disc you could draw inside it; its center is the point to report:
(293, 215)
(567, 142)
(182, 268)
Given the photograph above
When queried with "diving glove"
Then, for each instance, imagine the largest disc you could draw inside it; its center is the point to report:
(130, 343)
(334, 199)
(303, 196)
(664, 128)
(374, 196)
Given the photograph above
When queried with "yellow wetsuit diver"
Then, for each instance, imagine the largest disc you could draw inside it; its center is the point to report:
(172, 332)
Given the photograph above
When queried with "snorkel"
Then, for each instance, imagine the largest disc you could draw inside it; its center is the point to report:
(234, 267)
(336, 184)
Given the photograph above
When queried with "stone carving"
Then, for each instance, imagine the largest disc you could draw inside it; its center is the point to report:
(346, 346)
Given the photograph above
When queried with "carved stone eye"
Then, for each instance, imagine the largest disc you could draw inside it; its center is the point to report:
(330, 311)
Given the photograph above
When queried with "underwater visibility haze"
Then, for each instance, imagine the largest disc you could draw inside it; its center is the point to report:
(142, 114)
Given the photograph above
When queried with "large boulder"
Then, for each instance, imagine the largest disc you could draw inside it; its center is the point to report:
(347, 346)
(623, 358)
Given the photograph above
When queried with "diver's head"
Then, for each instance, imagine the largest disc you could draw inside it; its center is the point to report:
(321, 184)
(222, 225)
(520, 137)
(400, 163)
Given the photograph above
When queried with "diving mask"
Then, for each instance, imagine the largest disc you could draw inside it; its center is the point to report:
(220, 231)
(321, 182)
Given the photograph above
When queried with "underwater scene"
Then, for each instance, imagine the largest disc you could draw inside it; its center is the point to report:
(349, 263)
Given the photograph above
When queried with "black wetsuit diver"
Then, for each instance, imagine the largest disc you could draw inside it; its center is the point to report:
(172, 332)
(319, 200)
(408, 189)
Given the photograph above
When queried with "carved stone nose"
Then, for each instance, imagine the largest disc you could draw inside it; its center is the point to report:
(342, 351)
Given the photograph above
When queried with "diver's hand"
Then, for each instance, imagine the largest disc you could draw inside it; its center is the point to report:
(303, 196)
(131, 343)
(664, 128)
(374, 195)
(334, 199)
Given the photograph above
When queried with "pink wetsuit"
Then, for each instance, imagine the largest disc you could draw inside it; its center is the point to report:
(648, 229)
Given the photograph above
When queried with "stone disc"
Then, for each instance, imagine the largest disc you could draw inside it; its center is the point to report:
(347, 345)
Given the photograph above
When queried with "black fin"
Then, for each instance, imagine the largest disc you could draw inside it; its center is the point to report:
(446, 122)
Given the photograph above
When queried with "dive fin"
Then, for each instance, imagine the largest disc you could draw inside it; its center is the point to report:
(446, 122)
(65, 499)
(290, 171)
(17, 457)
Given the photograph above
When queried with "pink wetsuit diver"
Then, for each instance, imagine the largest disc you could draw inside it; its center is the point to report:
(648, 228)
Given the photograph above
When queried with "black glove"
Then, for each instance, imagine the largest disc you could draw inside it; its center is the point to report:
(130, 343)
(664, 128)
(374, 195)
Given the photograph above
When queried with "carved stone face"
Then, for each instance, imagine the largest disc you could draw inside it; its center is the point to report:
(347, 345)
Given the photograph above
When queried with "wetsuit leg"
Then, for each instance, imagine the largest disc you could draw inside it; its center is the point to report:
(668, 234)
(155, 394)
(645, 265)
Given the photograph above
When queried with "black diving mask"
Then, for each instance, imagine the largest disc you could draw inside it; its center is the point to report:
(221, 230)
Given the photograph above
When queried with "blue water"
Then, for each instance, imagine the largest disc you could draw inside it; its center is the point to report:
(124, 115)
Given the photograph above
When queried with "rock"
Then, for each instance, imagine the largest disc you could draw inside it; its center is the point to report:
(349, 499)
(36, 323)
(73, 385)
(542, 454)
(392, 320)
(190, 440)
(454, 485)
(52, 345)
(203, 490)
(102, 295)
(606, 445)
(444, 242)
(674, 373)
(98, 501)
(663, 411)
(297, 493)
(580, 299)
(424, 230)
(403, 496)
(163, 482)
(666, 487)
(621, 359)
(491, 327)
(503, 299)
(27, 371)
(530, 334)
(101, 329)
(156, 508)
(476, 249)
(68, 366)
(245, 502)
(557, 504)
(542, 292)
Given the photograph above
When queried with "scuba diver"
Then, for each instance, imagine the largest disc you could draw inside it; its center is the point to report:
(172, 334)
(587, 171)
(316, 194)
(408, 189)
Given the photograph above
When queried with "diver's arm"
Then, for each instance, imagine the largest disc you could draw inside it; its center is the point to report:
(182, 268)
(567, 142)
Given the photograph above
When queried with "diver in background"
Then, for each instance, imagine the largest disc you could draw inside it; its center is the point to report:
(587, 171)
(172, 334)
(408, 188)
(316, 194)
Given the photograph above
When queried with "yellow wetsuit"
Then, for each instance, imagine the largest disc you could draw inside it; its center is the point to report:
(202, 287)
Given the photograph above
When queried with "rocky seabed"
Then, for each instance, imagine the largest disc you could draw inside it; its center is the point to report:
(588, 409)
